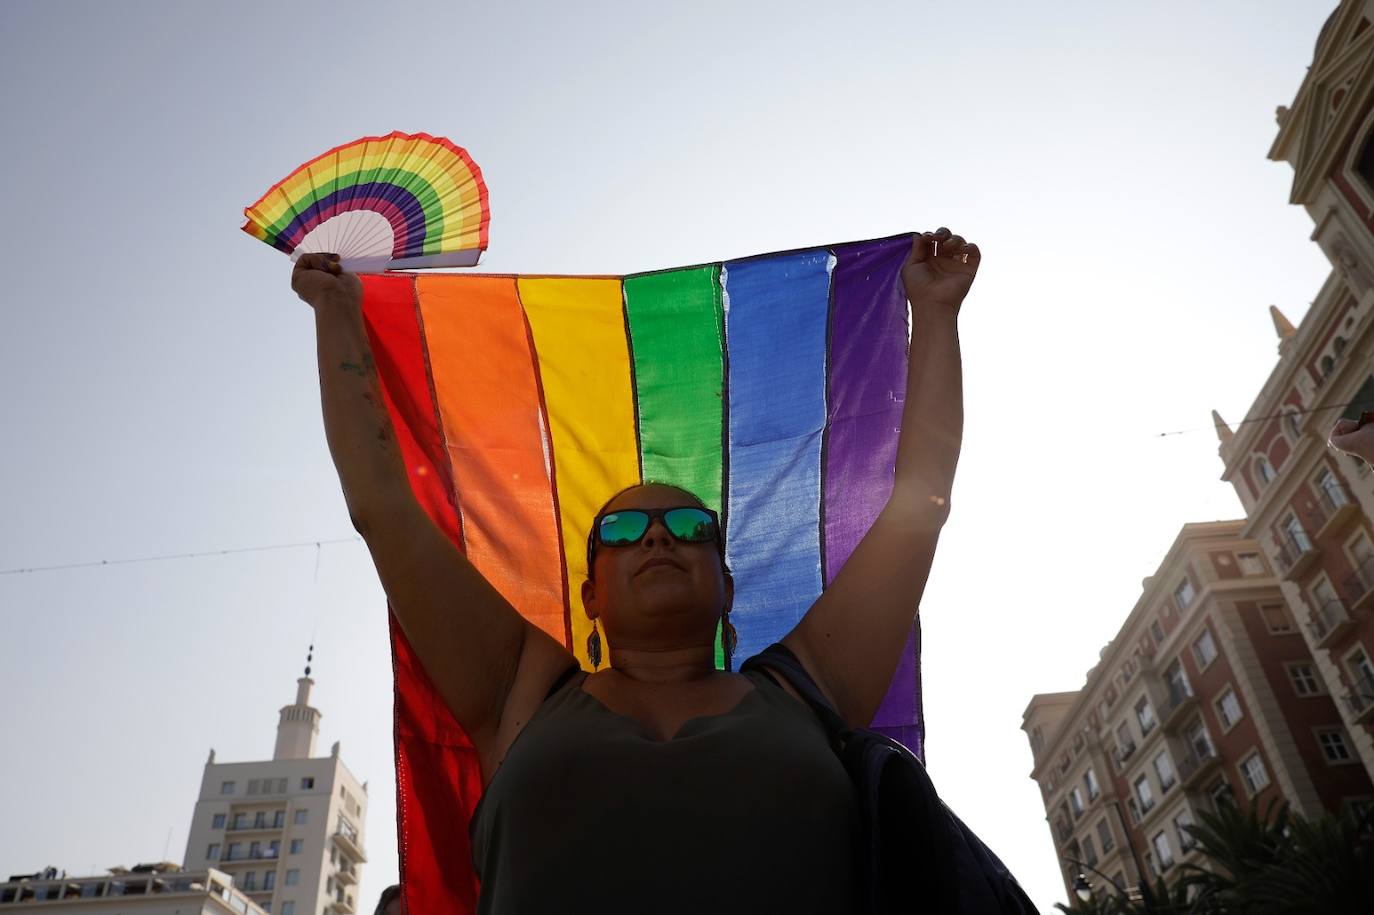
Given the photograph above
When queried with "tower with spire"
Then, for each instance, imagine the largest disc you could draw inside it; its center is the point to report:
(287, 830)
(299, 723)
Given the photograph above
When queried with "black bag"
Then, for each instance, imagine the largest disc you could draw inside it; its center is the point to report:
(914, 846)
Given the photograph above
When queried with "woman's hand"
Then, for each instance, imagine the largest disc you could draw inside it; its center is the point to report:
(940, 270)
(319, 279)
(1355, 437)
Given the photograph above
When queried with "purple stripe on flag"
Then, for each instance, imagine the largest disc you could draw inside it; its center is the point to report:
(867, 385)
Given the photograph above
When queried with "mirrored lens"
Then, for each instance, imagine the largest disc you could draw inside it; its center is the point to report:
(623, 527)
(690, 524)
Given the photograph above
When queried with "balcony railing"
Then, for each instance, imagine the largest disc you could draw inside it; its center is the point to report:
(1124, 751)
(1358, 588)
(1296, 554)
(1329, 623)
(347, 839)
(1179, 698)
(1336, 506)
(261, 854)
(1361, 699)
(1197, 763)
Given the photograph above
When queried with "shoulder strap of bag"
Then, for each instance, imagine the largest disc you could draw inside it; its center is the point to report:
(779, 657)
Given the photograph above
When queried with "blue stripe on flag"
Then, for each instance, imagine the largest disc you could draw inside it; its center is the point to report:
(777, 312)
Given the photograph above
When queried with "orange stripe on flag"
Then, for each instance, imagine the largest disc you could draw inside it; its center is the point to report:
(488, 395)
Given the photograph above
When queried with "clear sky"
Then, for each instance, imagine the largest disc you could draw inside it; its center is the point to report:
(160, 389)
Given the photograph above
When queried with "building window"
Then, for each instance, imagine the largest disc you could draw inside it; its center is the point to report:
(1090, 782)
(1181, 824)
(1164, 768)
(255, 850)
(1198, 740)
(260, 820)
(240, 821)
(250, 881)
(301, 817)
(1250, 563)
(1304, 680)
(296, 845)
(1157, 632)
(1163, 852)
(1204, 649)
(254, 785)
(1219, 792)
(1177, 681)
(233, 852)
(288, 908)
(1276, 618)
(226, 788)
(269, 880)
(1089, 852)
(1104, 835)
(307, 783)
(1330, 490)
(1334, 747)
(278, 819)
(293, 877)
(1144, 715)
(274, 848)
(1263, 470)
(1252, 772)
(212, 853)
(1183, 595)
(1143, 792)
(1361, 671)
(1228, 709)
(1295, 535)
(1076, 802)
(217, 821)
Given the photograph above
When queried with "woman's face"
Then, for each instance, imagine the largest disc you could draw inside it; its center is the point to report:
(658, 591)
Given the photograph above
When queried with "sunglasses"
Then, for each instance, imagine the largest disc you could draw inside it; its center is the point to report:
(688, 524)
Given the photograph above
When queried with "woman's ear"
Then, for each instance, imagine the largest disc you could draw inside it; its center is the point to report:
(589, 599)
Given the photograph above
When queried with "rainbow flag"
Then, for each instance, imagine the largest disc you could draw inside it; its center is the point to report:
(770, 386)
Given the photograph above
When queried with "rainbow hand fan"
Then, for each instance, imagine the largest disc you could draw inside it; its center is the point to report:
(396, 202)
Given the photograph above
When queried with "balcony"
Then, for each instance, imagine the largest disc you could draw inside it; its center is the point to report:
(1123, 752)
(1358, 589)
(261, 854)
(342, 904)
(1296, 554)
(1329, 622)
(1062, 831)
(1361, 699)
(1336, 507)
(1193, 767)
(255, 826)
(1180, 698)
(347, 840)
(346, 876)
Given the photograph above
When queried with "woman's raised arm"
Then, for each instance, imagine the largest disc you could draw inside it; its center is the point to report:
(852, 638)
(482, 656)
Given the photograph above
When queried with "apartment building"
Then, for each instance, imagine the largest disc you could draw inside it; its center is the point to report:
(147, 889)
(1308, 506)
(1209, 693)
(289, 830)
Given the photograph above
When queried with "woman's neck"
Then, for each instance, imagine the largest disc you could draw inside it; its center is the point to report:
(665, 665)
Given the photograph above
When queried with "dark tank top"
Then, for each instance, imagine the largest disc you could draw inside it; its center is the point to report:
(749, 811)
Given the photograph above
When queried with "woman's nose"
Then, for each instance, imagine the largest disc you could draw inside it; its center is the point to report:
(657, 533)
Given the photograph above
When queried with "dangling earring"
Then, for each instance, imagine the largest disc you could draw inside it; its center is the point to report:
(594, 647)
(728, 639)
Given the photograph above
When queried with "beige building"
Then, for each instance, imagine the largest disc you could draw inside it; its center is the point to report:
(148, 889)
(289, 830)
(1209, 693)
(1308, 506)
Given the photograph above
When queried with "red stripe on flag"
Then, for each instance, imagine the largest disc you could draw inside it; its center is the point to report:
(438, 777)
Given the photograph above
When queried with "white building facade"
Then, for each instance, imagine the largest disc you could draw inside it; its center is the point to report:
(288, 830)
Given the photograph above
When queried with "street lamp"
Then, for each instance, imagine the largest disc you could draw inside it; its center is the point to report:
(1082, 888)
